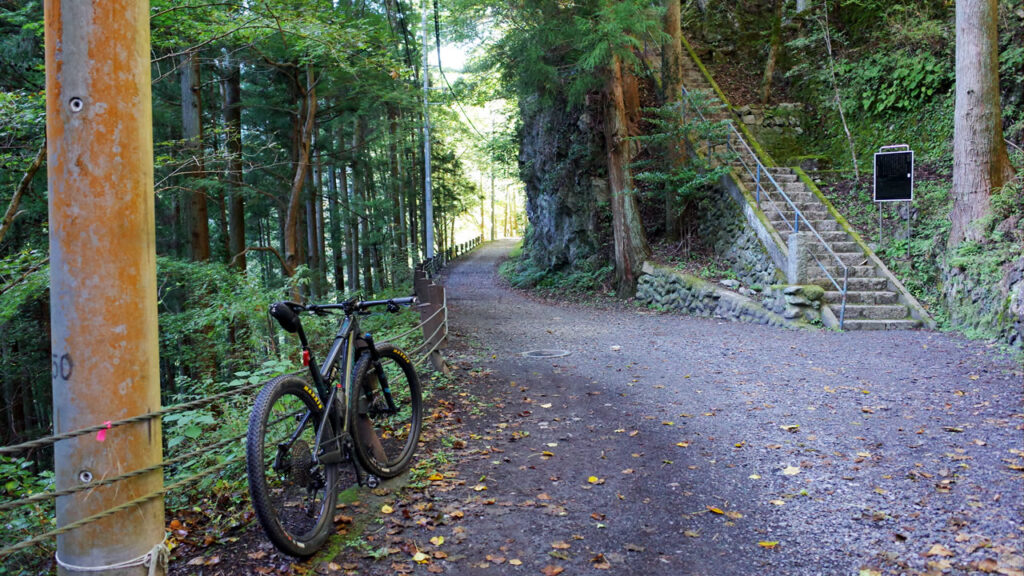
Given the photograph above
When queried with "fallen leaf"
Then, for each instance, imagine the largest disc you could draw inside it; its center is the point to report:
(595, 480)
(733, 514)
(691, 534)
(552, 570)
(939, 550)
(479, 488)
(683, 444)
(437, 540)
(600, 562)
(791, 470)
(560, 545)
(334, 566)
(628, 471)
(754, 476)
(778, 502)
(988, 565)
(495, 559)
(515, 562)
(790, 427)
(769, 545)
(386, 509)
(714, 510)
(435, 477)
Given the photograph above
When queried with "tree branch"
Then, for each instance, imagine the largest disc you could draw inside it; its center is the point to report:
(26, 179)
(270, 249)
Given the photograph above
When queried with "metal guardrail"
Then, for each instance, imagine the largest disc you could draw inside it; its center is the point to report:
(434, 265)
(755, 173)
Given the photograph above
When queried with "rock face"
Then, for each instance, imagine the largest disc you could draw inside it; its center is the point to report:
(561, 152)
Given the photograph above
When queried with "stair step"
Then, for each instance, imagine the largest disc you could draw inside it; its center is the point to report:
(860, 324)
(862, 283)
(875, 312)
(872, 297)
(785, 223)
(854, 272)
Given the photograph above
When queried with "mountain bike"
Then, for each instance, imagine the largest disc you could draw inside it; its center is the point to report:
(355, 420)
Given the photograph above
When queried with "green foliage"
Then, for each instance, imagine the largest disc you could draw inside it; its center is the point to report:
(882, 83)
(190, 435)
(675, 128)
(21, 478)
(212, 322)
(585, 277)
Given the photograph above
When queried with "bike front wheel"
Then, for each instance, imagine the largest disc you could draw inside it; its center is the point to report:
(387, 408)
(293, 494)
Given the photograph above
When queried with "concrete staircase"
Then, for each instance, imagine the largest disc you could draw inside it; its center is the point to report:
(875, 300)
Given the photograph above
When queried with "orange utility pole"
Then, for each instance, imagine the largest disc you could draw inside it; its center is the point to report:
(103, 282)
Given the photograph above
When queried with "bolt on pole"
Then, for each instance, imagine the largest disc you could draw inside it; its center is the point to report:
(103, 280)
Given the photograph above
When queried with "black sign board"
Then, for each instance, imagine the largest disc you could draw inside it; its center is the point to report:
(894, 175)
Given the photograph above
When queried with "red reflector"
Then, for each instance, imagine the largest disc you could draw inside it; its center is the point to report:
(305, 357)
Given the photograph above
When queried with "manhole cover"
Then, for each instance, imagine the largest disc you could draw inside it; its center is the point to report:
(545, 353)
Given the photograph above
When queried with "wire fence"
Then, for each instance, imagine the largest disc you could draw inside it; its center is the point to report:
(424, 343)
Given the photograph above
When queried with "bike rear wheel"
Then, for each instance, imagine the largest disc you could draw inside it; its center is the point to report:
(293, 495)
(385, 433)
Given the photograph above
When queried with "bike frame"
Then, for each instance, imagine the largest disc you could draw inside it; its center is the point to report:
(343, 352)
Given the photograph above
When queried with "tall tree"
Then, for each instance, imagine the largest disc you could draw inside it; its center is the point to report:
(631, 246)
(672, 86)
(231, 86)
(197, 214)
(980, 161)
(307, 116)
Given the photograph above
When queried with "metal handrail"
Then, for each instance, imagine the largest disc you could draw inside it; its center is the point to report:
(755, 174)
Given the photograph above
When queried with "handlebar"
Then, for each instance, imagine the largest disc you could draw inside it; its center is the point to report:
(286, 312)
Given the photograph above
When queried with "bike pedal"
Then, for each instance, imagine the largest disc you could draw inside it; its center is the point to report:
(372, 481)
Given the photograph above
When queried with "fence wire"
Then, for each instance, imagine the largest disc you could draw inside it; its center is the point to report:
(429, 345)
(184, 407)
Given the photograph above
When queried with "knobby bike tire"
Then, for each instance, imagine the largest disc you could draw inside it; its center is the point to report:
(293, 496)
(385, 441)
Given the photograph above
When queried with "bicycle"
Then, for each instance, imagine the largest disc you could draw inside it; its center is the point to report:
(364, 409)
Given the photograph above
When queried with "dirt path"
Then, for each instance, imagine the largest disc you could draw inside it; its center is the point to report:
(664, 444)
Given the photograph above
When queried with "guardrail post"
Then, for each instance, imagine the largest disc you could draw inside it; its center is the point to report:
(434, 318)
(103, 308)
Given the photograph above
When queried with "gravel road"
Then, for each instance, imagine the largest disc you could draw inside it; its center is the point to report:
(664, 444)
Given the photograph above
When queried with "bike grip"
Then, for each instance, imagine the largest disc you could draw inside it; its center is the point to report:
(285, 316)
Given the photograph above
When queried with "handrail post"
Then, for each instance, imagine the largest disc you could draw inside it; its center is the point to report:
(758, 184)
(842, 310)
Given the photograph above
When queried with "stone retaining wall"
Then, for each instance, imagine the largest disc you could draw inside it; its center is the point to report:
(789, 306)
(724, 229)
(979, 308)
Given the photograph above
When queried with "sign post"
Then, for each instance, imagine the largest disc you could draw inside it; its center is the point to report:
(894, 180)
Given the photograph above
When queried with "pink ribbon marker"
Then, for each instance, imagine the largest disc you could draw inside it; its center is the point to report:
(102, 434)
